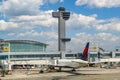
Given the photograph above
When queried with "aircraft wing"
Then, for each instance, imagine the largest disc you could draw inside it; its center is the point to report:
(107, 60)
(110, 60)
(80, 61)
(73, 60)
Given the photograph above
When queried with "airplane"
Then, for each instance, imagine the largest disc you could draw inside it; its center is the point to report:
(110, 60)
(72, 63)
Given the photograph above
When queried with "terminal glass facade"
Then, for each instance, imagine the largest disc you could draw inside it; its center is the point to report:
(26, 46)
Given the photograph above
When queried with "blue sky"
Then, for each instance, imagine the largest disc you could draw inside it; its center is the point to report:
(97, 21)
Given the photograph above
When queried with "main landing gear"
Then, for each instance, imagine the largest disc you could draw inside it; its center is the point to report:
(73, 69)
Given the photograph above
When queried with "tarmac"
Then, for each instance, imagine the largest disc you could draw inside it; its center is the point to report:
(79, 74)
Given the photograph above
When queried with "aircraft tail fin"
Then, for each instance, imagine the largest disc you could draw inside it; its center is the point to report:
(85, 52)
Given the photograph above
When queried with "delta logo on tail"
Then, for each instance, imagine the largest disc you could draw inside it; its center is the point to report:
(85, 52)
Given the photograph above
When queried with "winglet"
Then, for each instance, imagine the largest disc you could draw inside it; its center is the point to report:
(85, 52)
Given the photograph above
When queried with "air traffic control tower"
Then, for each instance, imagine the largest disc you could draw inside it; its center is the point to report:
(62, 16)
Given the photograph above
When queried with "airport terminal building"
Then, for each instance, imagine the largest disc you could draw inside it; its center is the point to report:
(16, 51)
(35, 49)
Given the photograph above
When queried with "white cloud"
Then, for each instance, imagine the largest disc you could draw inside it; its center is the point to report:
(50, 35)
(53, 1)
(99, 3)
(106, 37)
(43, 19)
(79, 21)
(61, 0)
(24, 7)
(33, 34)
(104, 40)
(109, 25)
(27, 22)
(21, 7)
(11, 34)
(52, 46)
(7, 25)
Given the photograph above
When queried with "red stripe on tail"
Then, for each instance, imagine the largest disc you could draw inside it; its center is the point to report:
(85, 52)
